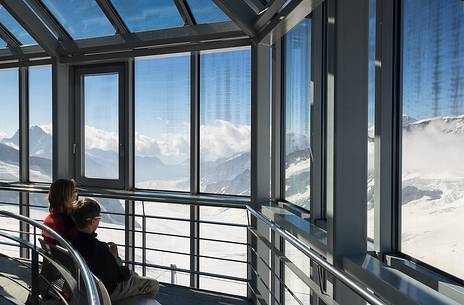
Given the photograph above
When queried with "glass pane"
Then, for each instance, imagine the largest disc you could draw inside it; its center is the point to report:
(81, 18)
(162, 123)
(143, 15)
(294, 283)
(9, 125)
(433, 114)
(9, 201)
(112, 224)
(205, 11)
(101, 103)
(298, 100)
(158, 242)
(2, 44)
(371, 126)
(223, 250)
(15, 28)
(40, 124)
(225, 131)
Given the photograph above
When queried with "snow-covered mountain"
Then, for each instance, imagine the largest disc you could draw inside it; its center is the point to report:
(432, 191)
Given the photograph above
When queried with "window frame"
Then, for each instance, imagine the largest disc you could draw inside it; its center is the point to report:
(316, 211)
(79, 144)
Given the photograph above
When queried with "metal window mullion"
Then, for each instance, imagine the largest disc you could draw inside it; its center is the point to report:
(282, 118)
(317, 115)
(194, 168)
(129, 151)
(276, 155)
(387, 200)
(24, 152)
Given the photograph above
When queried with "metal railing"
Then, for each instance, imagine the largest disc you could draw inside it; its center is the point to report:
(84, 272)
(315, 257)
(136, 233)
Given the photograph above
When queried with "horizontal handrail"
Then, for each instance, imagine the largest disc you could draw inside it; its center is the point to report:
(306, 250)
(213, 200)
(92, 295)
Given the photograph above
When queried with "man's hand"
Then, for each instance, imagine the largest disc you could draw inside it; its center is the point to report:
(113, 249)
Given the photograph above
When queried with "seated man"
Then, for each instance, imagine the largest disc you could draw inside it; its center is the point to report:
(102, 261)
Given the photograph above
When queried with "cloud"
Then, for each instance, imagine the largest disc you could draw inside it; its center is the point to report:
(100, 139)
(434, 150)
(222, 139)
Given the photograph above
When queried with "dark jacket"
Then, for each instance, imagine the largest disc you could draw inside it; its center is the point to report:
(62, 224)
(100, 260)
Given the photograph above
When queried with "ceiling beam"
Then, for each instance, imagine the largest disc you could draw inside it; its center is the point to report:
(175, 36)
(185, 12)
(113, 16)
(161, 50)
(13, 43)
(49, 19)
(256, 5)
(287, 19)
(240, 13)
(271, 9)
(33, 25)
(27, 52)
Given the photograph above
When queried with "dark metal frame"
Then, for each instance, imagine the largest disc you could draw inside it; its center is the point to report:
(80, 73)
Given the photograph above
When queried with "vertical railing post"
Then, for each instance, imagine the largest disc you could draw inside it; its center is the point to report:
(35, 273)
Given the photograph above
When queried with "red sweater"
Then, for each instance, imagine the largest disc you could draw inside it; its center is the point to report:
(62, 224)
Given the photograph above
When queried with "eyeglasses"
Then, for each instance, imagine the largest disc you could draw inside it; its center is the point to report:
(92, 218)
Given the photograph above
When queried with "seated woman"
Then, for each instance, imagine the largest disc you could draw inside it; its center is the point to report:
(61, 196)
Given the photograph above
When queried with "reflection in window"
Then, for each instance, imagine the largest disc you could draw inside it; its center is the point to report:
(162, 123)
(2, 44)
(40, 124)
(433, 134)
(9, 125)
(101, 104)
(143, 15)
(15, 28)
(205, 11)
(371, 121)
(81, 18)
(298, 100)
(225, 131)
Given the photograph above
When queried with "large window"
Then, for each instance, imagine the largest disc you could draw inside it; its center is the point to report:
(433, 134)
(298, 100)
(100, 117)
(162, 123)
(9, 133)
(225, 119)
(40, 124)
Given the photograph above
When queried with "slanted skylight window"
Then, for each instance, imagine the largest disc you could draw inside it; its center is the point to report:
(81, 18)
(205, 11)
(144, 15)
(15, 28)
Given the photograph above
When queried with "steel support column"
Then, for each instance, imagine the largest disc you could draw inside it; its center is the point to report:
(63, 120)
(24, 153)
(347, 102)
(260, 158)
